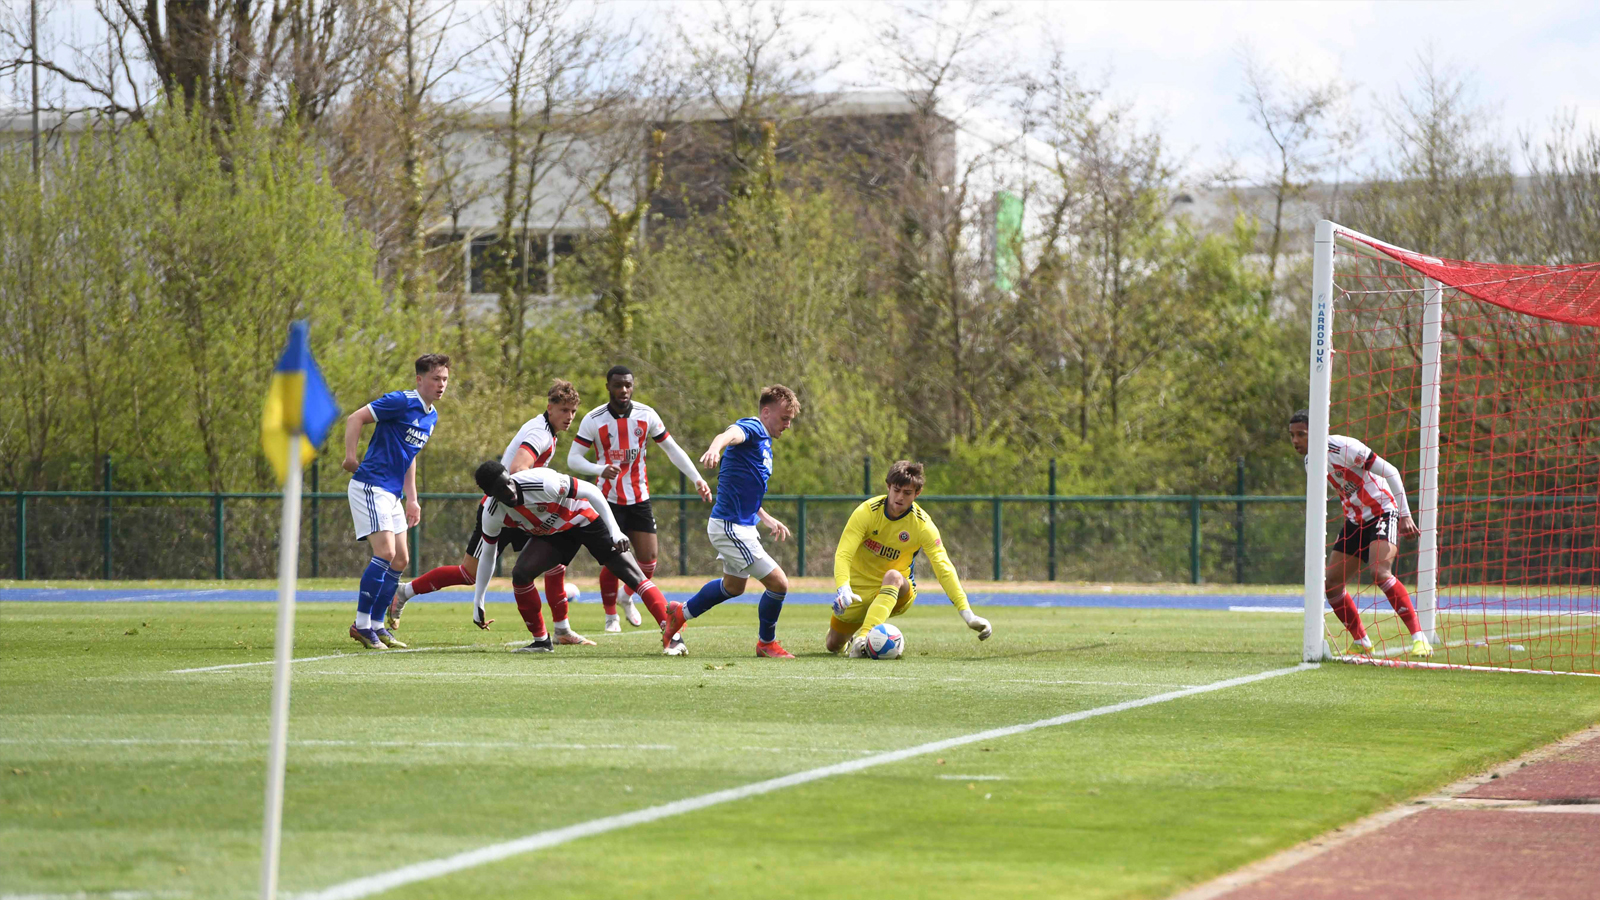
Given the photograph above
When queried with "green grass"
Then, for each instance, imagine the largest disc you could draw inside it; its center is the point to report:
(117, 774)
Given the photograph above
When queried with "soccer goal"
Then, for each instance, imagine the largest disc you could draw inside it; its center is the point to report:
(1480, 382)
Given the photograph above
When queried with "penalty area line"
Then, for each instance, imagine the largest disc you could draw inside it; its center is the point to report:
(435, 868)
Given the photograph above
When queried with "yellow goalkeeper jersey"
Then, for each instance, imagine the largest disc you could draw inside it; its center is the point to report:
(873, 543)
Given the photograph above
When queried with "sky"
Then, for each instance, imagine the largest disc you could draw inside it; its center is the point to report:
(1178, 63)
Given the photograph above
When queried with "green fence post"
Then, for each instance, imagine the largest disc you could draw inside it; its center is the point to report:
(22, 536)
(1194, 539)
(996, 528)
(1052, 519)
(315, 544)
(866, 476)
(1238, 529)
(105, 525)
(800, 537)
(216, 527)
(683, 524)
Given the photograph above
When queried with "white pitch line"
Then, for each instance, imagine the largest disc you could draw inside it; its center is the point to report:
(1462, 642)
(301, 659)
(225, 742)
(435, 868)
(131, 598)
(96, 895)
(734, 676)
(1410, 664)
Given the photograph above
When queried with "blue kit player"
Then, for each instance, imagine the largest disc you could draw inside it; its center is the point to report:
(745, 452)
(402, 423)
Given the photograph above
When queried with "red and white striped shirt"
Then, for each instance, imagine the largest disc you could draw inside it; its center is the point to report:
(620, 441)
(1362, 494)
(547, 503)
(536, 435)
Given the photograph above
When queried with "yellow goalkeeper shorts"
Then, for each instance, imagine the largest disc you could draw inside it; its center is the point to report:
(850, 620)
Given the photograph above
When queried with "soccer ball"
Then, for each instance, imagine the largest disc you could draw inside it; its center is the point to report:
(573, 593)
(885, 642)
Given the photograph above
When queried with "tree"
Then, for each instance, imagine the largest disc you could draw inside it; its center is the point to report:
(1305, 132)
(557, 69)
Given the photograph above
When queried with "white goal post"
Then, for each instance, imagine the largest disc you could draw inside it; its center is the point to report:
(1314, 644)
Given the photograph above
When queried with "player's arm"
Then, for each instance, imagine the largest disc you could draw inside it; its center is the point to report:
(945, 571)
(732, 435)
(685, 465)
(413, 508)
(583, 490)
(1386, 470)
(855, 530)
(353, 424)
(522, 462)
(778, 529)
(578, 459)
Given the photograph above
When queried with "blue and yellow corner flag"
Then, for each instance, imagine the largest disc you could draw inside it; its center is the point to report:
(298, 403)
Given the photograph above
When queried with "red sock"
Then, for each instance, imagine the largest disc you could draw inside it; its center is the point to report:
(528, 605)
(555, 592)
(442, 577)
(654, 600)
(608, 591)
(649, 572)
(1401, 601)
(1344, 606)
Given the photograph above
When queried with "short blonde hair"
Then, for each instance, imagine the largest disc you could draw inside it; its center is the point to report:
(777, 393)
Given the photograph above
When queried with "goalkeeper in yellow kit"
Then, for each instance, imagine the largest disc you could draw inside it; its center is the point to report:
(872, 567)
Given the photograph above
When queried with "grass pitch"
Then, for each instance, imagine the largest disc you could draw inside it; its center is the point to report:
(118, 773)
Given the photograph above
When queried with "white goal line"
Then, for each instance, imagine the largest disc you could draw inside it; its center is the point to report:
(435, 868)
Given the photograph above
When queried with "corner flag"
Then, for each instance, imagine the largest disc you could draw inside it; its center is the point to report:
(298, 403)
(299, 411)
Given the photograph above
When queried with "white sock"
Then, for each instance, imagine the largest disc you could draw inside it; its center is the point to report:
(404, 593)
(561, 626)
(611, 618)
(363, 620)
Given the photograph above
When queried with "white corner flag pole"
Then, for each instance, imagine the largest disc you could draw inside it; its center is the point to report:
(288, 571)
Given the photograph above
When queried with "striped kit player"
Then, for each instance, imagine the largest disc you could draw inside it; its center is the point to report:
(533, 446)
(1376, 514)
(548, 517)
(620, 432)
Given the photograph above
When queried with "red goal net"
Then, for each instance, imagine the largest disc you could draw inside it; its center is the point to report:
(1481, 383)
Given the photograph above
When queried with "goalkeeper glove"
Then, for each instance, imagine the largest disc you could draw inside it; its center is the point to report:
(977, 623)
(843, 599)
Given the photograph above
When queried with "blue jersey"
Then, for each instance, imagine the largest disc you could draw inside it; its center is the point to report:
(745, 470)
(404, 426)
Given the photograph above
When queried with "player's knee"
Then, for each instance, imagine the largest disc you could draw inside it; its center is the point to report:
(733, 587)
(523, 575)
(627, 570)
(834, 642)
(893, 578)
(776, 582)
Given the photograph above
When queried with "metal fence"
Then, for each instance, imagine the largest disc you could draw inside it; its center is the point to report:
(146, 535)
